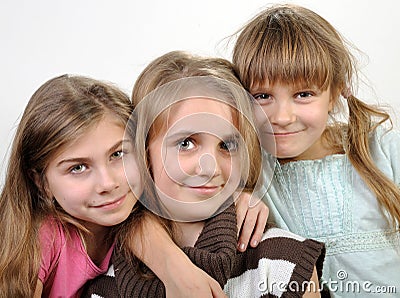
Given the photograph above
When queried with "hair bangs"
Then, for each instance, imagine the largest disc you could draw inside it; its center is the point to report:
(283, 48)
(289, 57)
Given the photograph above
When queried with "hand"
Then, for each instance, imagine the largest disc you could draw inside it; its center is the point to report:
(313, 290)
(191, 282)
(38, 290)
(252, 215)
(173, 267)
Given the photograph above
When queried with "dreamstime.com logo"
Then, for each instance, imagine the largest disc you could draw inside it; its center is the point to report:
(341, 285)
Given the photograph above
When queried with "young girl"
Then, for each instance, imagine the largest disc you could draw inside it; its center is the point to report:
(335, 181)
(194, 134)
(65, 187)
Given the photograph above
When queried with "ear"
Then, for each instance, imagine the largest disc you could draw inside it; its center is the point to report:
(40, 183)
(34, 175)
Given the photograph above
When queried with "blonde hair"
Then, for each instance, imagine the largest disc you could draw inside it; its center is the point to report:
(292, 44)
(174, 74)
(59, 112)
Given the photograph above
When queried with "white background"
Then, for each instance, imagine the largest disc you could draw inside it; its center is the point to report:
(114, 40)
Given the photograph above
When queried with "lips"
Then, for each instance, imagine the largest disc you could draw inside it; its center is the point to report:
(206, 190)
(283, 133)
(112, 203)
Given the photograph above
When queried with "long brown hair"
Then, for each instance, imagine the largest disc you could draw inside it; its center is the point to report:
(292, 44)
(60, 111)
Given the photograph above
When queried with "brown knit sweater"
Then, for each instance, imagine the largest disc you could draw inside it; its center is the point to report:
(281, 257)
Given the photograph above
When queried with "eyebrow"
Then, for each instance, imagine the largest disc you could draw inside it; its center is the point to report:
(181, 134)
(187, 133)
(86, 159)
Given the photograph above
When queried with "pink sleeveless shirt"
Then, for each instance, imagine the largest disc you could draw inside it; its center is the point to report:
(65, 265)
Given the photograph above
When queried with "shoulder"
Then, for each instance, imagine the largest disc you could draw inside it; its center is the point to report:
(52, 239)
(58, 241)
(385, 150)
(51, 234)
(383, 134)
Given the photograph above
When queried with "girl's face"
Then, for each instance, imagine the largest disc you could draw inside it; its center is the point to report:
(87, 178)
(297, 118)
(195, 159)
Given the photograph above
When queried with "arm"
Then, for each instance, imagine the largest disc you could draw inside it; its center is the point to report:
(252, 215)
(214, 251)
(313, 290)
(164, 258)
(299, 261)
(38, 290)
(215, 248)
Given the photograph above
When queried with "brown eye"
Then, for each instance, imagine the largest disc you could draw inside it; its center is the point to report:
(262, 98)
(304, 94)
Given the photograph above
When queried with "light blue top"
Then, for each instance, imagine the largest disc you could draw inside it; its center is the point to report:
(327, 200)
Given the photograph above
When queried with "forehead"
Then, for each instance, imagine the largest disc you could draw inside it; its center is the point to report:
(100, 135)
(200, 105)
(199, 115)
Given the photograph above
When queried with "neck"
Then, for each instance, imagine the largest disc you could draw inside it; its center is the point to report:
(321, 152)
(97, 242)
(189, 232)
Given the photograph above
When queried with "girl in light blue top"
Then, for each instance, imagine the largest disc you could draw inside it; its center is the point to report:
(335, 181)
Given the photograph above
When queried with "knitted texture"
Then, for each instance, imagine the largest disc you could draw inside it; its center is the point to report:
(280, 257)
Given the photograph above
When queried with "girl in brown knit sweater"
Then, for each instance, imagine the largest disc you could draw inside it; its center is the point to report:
(193, 129)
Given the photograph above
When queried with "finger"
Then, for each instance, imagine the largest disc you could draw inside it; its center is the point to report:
(260, 227)
(247, 229)
(254, 200)
(241, 210)
(216, 290)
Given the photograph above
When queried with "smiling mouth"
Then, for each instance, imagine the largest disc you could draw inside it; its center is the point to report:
(206, 190)
(111, 204)
(279, 134)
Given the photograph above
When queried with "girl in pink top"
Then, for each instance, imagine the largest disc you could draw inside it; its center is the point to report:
(65, 188)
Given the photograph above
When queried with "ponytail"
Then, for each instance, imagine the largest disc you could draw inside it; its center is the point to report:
(361, 124)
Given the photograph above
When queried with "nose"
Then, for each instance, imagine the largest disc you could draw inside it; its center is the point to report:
(106, 180)
(282, 113)
(209, 164)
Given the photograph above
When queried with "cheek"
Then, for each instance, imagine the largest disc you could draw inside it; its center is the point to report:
(132, 175)
(161, 181)
(179, 166)
(75, 195)
(69, 190)
(239, 166)
(155, 159)
(186, 166)
(160, 169)
(319, 119)
(315, 115)
(166, 186)
(229, 165)
(260, 114)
